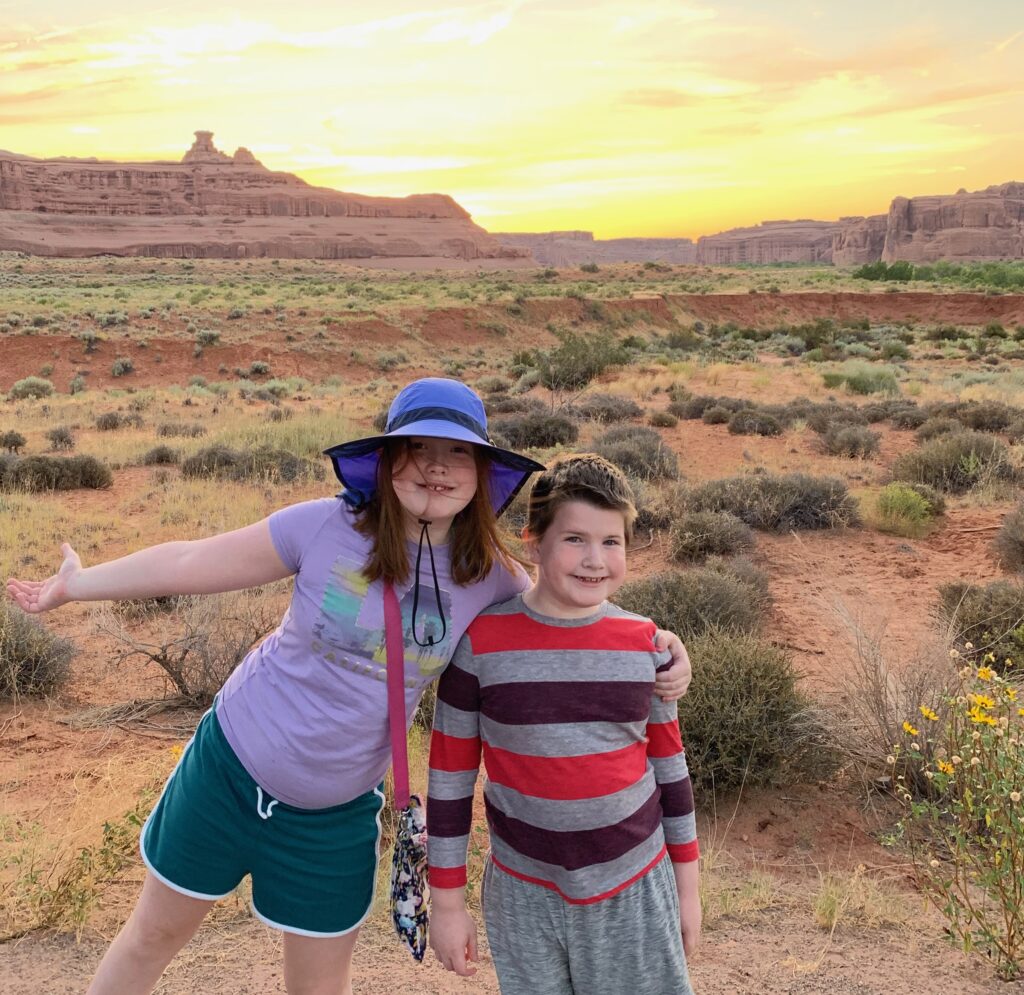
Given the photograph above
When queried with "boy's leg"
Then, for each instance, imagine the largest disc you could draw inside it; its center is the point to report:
(630, 942)
(162, 923)
(319, 965)
(526, 933)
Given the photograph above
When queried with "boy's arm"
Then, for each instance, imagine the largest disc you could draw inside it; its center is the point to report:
(668, 760)
(454, 763)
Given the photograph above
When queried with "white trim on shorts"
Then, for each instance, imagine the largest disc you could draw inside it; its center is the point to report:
(344, 932)
(142, 835)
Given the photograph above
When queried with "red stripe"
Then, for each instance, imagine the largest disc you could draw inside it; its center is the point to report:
(663, 739)
(520, 633)
(683, 853)
(452, 753)
(446, 877)
(581, 901)
(567, 778)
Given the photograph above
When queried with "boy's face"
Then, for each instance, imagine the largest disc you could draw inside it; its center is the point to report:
(581, 560)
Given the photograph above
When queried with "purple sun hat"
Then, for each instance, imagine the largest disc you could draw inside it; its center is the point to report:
(435, 408)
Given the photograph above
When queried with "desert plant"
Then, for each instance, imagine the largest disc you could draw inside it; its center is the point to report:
(13, 441)
(986, 416)
(578, 360)
(161, 456)
(61, 439)
(908, 418)
(687, 406)
(746, 722)
(30, 387)
(1008, 544)
(121, 366)
(985, 619)
(965, 834)
(850, 440)
(689, 602)
(606, 408)
(109, 421)
(77, 384)
(188, 430)
(264, 464)
(33, 661)
(716, 415)
(934, 427)
(698, 534)
(779, 503)
(823, 417)
(902, 510)
(956, 463)
(536, 430)
(662, 419)
(638, 451)
(754, 422)
(53, 473)
(207, 337)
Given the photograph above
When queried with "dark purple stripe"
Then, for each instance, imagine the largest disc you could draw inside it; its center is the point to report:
(450, 817)
(459, 689)
(677, 798)
(577, 848)
(541, 702)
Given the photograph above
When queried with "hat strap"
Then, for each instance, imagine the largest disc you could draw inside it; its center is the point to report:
(438, 414)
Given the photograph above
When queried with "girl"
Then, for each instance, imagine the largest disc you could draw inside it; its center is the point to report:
(282, 780)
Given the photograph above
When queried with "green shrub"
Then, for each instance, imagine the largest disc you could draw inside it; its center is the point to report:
(990, 617)
(606, 408)
(53, 473)
(716, 415)
(493, 385)
(34, 387)
(121, 366)
(850, 440)
(207, 337)
(870, 380)
(578, 360)
(956, 463)
(901, 510)
(689, 602)
(61, 439)
(1008, 544)
(638, 451)
(186, 430)
(77, 384)
(690, 406)
(13, 441)
(826, 416)
(508, 406)
(161, 456)
(934, 427)
(258, 368)
(987, 416)
(535, 430)
(33, 661)
(753, 422)
(109, 421)
(662, 419)
(894, 349)
(745, 722)
(271, 465)
(779, 503)
(696, 535)
(909, 418)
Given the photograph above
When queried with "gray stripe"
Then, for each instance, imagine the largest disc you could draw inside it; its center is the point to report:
(571, 739)
(520, 666)
(447, 851)
(455, 722)
(669, 769)
(582, 813)
(449, 786)
(587, 882)
(681, 829)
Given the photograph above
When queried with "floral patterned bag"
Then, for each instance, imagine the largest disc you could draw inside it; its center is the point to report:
(409, 864)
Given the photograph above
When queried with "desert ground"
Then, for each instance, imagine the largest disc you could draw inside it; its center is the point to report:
(808, 885)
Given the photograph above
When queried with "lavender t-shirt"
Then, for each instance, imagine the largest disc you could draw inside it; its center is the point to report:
(306, 711)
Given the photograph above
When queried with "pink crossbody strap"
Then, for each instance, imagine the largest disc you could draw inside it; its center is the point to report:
(395, 647)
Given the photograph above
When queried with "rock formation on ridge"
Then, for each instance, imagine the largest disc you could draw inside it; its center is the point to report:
(214, 205)
(571, 248)
(802, 241)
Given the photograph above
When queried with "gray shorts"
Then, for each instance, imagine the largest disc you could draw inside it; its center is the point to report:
(543, 945)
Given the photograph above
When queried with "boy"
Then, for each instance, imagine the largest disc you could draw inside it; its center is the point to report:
(591, 887)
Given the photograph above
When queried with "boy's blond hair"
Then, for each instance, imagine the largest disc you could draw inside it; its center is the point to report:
(582, 477)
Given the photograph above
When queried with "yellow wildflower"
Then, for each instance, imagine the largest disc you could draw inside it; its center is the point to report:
(990, 658)
(981, 701)
(985, 673)
(977, 716)
(909, 729)
(946, 768)
(177, 750)
(1020, 712)
(1011, 693)
(928, 713)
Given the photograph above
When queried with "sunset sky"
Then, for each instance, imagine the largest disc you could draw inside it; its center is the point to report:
(628, 117)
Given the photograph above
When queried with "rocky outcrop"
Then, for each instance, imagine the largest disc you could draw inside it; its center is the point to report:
(859, 240)
(213, 204)
(985, 224)
(572, 248)
(802, 241)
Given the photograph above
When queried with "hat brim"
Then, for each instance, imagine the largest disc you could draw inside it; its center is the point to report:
(355, 463)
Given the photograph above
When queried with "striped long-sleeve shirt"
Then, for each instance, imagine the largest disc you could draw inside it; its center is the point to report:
(587, 783)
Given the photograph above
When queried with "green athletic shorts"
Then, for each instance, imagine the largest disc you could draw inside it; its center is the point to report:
(313, 870)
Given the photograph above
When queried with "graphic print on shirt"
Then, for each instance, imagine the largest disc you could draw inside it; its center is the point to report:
(350, 622)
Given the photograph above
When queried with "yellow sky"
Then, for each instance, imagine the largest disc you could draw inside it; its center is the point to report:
(631, 117)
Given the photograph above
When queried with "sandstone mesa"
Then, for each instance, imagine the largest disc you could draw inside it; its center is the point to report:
(214, 205)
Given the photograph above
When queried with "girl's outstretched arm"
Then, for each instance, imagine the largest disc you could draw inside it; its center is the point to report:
(230, 561)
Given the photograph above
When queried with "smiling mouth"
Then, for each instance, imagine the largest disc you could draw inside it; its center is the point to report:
(437, 488)
(590, 580)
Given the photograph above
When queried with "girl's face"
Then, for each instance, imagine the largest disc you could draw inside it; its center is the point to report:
(435, 480)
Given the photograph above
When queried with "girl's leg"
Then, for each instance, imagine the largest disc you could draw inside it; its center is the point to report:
(162, 923)
(319, 965)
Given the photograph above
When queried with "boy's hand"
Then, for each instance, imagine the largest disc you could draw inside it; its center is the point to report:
(453, 938)
(671, 684)
(690, 918)
(35, 596)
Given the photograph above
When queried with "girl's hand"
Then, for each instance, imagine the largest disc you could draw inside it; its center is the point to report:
(35, 596)
(671, 684)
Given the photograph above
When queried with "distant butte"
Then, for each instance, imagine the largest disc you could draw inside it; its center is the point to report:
(214, 205)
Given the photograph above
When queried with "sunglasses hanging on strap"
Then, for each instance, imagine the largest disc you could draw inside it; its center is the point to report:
(409, 864)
